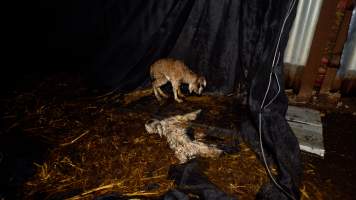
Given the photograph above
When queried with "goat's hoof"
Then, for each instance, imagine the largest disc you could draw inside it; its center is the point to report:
(179, 100)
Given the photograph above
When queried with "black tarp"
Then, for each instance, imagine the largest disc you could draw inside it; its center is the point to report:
(232, 42)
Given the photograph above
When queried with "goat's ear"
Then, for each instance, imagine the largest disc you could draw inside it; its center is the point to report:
(202, 81)
(192, 115)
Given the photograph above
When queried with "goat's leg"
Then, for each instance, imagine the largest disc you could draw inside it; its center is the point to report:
(175, 86)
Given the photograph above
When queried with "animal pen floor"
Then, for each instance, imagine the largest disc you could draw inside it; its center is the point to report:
(59, 140)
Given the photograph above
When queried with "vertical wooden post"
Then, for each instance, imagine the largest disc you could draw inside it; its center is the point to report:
(331, 81)
(310, 72)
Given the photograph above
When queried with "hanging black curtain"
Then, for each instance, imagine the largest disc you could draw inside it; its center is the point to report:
(205, 34)
(264, 44)
(231, 42)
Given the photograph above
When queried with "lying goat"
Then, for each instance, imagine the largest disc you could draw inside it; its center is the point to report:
(175, 130)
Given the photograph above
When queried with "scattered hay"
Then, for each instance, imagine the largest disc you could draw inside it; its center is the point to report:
(99, 149)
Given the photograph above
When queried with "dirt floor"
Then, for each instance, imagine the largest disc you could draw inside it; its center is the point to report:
(61, 140)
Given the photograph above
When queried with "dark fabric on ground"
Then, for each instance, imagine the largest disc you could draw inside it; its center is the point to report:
(191, 180)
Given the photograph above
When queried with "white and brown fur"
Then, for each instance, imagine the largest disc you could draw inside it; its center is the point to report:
(174, 71)
(175, 130)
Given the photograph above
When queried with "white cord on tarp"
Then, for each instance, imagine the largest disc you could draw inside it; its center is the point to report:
(263, 106)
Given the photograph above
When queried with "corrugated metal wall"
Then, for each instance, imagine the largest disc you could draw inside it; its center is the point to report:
(312, 36)
(301, 36)
(348, 59)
